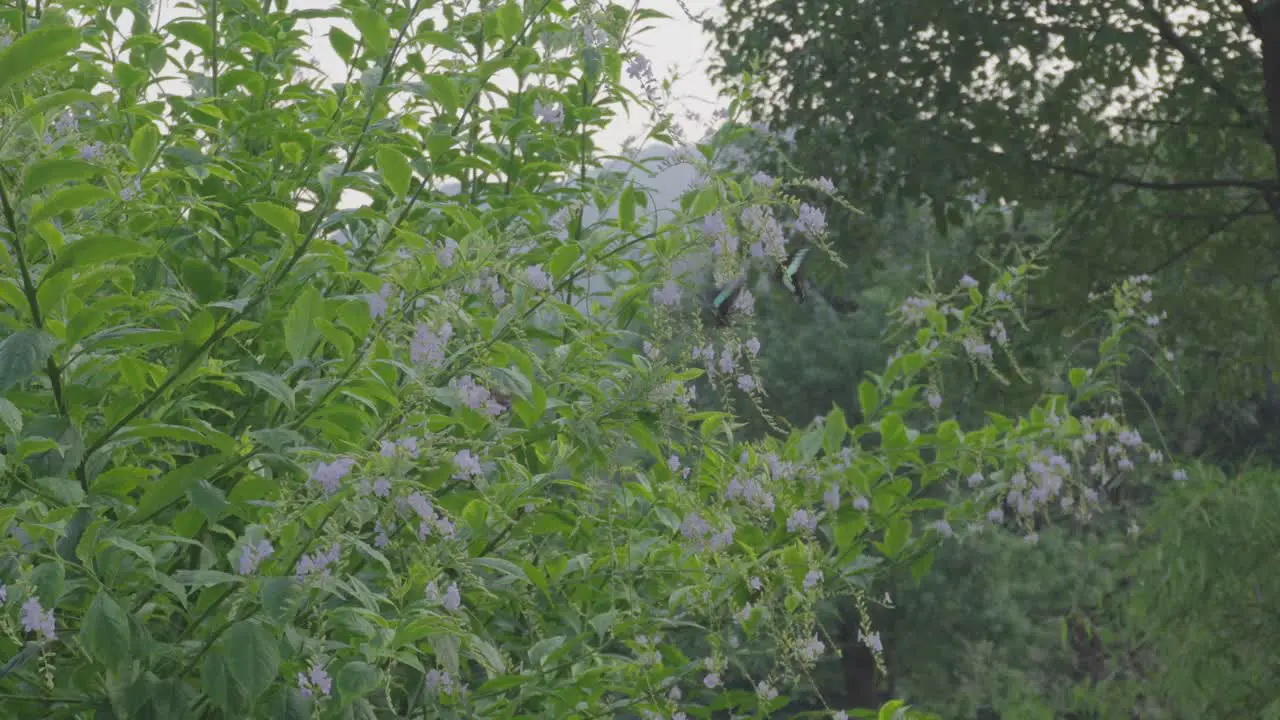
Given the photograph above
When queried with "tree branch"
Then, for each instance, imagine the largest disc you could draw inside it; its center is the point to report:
(1251, 14)
(1140, 184)
(1192, 58)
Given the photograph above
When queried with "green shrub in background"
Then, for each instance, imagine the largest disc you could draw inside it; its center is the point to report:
(266, 456)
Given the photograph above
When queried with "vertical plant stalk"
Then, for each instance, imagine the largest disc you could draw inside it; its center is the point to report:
(37, 320)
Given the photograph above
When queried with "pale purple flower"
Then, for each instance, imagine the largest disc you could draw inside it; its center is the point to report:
(476, 396)
(753, 346)
(694, 527)
(640, 68)
(721, 540)
(861, 503)
(452, 600)
(36, 619)
(713, 225)
(745, 303)
(378, 303)
(812, 579)
(872, 641)
(317, 680)
(944, 528)
(4, 593)
(825, 185)
(746, 383)
(329, 475)
(995, 515)
(832, 497)
(755, 583)
(762, 179)
(812, 649)
(802, 520)
(538, 278)
(381, 539)
(977, 349)
(93, 152)
(467, 465)
(935, 400)
(318, 562)
(253, 555)
(440, 680)
(129, 192)
(811, 220)
(444, 255)
(66, 123)
(967, 282)
(550, 114)
(428, 346)
(668, 295)
(766, 691)
(1180, 475)
(711, 681)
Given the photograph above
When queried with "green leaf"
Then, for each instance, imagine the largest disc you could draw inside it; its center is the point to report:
(104, 632)
(705, 201)
(509, 19)
(868, 398)
(67, 199)
(43, 173)
(40, 47)
(144, 143)
(173, 484)
(273, 385)
(836, 431)
(11, 416)
(94, 250)
(21, 354)
(1078, 376)
(196, 33)
(209, 500)
(356, 679)
(895, 535)
(373, 29)
(254, 656)
(563, 259)
(300, 324)
(343, 44)
(277, 216)
(627, 209)
(395, 170)
(505, 567)
(543, 649)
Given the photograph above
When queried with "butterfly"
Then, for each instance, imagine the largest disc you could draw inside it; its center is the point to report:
(723, 304)
(791, 273)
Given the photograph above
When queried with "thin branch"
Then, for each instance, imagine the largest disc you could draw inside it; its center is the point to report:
(1251, 14)
(1190, 247)
(1183, 185)
(1192, 58)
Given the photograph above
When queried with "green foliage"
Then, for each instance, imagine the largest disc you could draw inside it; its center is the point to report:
(1144, 130)
(290, 431)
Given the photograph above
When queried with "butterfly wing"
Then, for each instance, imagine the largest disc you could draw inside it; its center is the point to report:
(723, 303)
(791, 273)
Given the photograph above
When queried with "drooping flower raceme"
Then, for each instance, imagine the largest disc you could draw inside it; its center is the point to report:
(253, 555)
(428, 346)
(329, 475)
(317, 680)
(36, 619)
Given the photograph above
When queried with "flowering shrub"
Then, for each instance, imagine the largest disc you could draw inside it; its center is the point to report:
(291, 432)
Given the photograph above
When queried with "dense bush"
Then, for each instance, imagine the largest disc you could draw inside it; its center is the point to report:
(291, 432)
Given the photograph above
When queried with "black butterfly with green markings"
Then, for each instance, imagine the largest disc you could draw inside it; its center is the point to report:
(723, 304)
(790, 272)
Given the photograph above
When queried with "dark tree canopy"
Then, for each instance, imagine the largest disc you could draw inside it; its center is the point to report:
(1150, 130)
